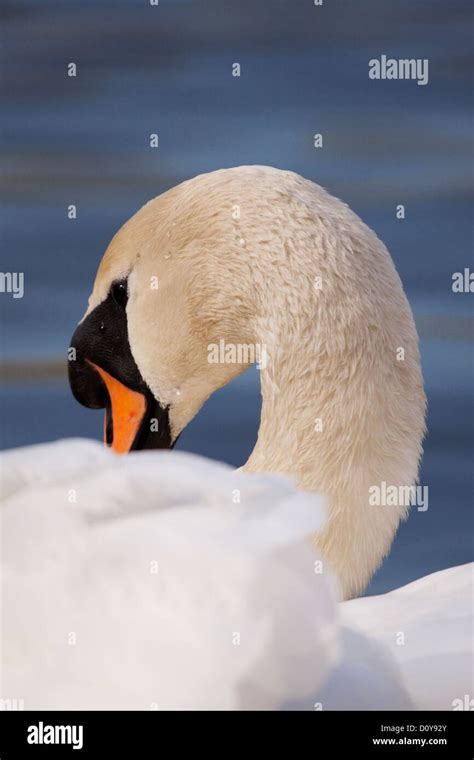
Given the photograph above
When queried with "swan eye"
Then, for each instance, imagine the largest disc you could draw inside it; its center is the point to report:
(120, 293)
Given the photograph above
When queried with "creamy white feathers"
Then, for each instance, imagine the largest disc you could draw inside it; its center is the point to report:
(259, 256)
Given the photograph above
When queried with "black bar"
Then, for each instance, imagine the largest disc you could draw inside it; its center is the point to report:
(158, 734)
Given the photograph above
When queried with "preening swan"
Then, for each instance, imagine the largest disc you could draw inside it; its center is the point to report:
(255, 256)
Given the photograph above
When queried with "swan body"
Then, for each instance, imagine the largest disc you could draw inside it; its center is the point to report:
(141, 583)
(427, 626)
(255, 256)
(146, 586)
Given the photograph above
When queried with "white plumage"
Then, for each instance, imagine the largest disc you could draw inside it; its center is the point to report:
(143, 582)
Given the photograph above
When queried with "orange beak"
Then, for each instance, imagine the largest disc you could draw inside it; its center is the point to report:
(128, 411)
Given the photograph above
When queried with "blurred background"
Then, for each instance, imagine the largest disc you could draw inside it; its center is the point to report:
(167, 69)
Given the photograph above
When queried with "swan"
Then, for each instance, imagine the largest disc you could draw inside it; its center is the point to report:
(167, 581)
(129, 583)
(261, 258)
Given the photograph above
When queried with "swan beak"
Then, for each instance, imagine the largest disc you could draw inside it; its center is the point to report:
(103, 375)
(124, 416)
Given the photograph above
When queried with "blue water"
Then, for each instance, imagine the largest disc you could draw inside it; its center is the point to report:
(84, 141)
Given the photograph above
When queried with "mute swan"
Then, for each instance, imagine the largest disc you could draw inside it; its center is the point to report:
(258, 257)
(130, 584)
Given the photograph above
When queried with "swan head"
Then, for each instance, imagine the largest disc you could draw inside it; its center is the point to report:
(259, 257)
(168, 289)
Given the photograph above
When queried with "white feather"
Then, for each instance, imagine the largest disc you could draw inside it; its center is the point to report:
(139, 583)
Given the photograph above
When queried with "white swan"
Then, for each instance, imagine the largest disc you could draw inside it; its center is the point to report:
(168, 581)
(264, 259)
(131, 584)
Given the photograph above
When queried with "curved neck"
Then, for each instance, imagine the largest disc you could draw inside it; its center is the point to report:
(340, 415)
